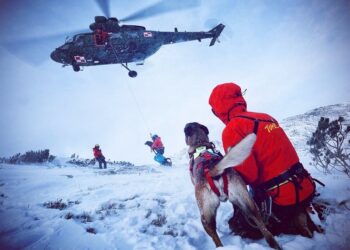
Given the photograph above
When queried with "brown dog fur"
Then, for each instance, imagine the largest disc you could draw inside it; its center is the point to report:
(238, 195)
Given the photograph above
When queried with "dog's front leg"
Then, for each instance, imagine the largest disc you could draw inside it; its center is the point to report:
(302, 222)
(312, 225)
(208, 203)
(238, 195)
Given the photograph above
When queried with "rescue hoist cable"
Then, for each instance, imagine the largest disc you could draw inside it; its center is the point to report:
(138, 107)
(131, 92)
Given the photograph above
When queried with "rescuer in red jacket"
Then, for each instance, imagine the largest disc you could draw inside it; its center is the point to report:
(99, 156)
(157, 145)
(272, 170)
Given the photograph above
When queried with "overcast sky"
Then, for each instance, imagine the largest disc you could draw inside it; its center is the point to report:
(291, 56)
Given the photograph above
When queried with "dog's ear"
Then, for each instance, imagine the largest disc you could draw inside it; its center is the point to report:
(204, 128)
(189, 129)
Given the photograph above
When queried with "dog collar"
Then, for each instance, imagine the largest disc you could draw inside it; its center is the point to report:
(201, 149)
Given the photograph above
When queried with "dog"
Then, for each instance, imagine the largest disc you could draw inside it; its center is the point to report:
(209, 182)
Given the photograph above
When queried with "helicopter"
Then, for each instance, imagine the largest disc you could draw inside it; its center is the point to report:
(108, 42)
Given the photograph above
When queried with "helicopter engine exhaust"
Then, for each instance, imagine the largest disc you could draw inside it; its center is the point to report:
(105, 24)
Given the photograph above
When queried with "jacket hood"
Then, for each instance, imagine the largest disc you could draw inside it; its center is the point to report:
(226, 101)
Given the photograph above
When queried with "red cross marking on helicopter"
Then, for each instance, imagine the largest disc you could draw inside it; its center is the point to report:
(80, 59)
(147, 34)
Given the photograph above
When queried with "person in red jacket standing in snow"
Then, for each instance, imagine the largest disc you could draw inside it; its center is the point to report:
(273, 170)
(99, 156)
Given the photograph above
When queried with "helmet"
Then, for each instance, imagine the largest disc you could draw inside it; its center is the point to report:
(97, 146)
(154, 137)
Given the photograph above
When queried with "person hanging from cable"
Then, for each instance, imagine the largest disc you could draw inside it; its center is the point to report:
(156, 146)
(99, 156)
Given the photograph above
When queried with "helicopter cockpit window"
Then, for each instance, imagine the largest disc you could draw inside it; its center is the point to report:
(77, 37)
(69, 39)
(65, 46)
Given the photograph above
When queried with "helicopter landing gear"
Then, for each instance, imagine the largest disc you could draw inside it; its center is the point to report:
(132, 73)
(76, 68)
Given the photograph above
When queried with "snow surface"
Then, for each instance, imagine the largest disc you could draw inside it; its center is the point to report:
(139, 207)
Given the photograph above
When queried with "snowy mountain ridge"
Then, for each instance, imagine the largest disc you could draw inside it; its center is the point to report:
(299, 128)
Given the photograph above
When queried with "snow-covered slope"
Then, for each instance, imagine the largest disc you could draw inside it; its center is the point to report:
(63, 206)
(300, 127)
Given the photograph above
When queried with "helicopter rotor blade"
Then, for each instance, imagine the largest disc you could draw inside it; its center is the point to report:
(104, 6)
(36, 50)
(161, 7)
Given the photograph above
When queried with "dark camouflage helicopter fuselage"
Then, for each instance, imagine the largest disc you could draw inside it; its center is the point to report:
(130, 43)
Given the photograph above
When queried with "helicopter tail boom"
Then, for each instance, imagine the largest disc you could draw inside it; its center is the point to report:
(216, 31)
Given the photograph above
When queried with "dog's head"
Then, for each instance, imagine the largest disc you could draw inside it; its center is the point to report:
(196, 134)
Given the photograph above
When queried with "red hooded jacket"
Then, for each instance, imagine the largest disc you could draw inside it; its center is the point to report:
(97, 152)
(272, 153)
(157, 144)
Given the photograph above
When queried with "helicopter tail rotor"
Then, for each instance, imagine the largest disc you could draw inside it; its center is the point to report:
(216, 31)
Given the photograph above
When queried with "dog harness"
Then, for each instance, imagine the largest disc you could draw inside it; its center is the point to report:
(206, 158)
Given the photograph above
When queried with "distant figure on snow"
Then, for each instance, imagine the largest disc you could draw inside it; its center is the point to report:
(99, 156)
(157, 147)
